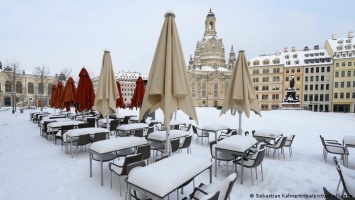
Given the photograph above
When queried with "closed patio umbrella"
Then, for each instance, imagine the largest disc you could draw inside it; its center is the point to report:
(168, 84)
(107, 92)
(53, 96)
(119, 101)
(240, 94)
(85, 95)
(138, 94)
(59, 95)
(69, 94)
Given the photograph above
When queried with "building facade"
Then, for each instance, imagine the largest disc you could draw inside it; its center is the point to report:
(342, 51)
(208, 70)
(27, 90)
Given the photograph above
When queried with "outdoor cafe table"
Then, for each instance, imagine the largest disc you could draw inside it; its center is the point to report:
(214, 128)
(103, 147)
(55, 126)
(103, 121)
(161, 178)
(133, 119)
(236, 145)
(160, 136)
(130, 127)
(269, 135)
(51, 120)
(70, 134)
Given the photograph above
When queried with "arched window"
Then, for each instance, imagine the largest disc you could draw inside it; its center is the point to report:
(18, 87)
(256, 62)
(226, 88)
(273, 96)
(215, 91)
(8, 86)
(50, 88)
(211, 25)
(277, 96)
(31, 88)
(256, 88)
(40, 88)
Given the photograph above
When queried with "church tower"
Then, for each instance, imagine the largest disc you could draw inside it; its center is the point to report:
(210, 25)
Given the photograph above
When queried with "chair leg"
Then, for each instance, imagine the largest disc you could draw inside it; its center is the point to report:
(111, 178)
(251, 172)
(119, 183)
(262, 174)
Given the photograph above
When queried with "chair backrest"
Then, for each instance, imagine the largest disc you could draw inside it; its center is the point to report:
(144, 150)
(281, 142)
(113, 125)
(246, 133)
(66, 128)
(128, 160)
(138, 133)
(135, 164)
(231, 178)
(187, 141)
(150, 130)
(126, 120)
(176, 127)
(85, 125)
(83, 139)
(289, 140)
(234, 132)
(99, 137)
(211, 148)
(175, 143)
(194, 129)
(91, 122)
(346, 178)
(260, 154)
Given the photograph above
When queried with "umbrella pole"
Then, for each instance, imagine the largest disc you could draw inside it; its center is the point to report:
(167, 141)
(240, 112)
(107, 123)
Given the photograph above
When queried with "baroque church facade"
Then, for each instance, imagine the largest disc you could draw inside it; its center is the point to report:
(209, 71)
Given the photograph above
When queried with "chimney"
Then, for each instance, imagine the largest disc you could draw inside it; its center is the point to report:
(350, 34)
(293, 49)
(285, 49)
(316, 47)
(334, 36)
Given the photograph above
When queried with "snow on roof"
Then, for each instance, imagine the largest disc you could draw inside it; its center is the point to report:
(344, 44)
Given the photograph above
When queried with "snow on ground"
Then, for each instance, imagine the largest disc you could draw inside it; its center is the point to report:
(33, 168)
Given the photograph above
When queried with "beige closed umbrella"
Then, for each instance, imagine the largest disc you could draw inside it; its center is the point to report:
(168, 85)
(106, 92)
(240, 95)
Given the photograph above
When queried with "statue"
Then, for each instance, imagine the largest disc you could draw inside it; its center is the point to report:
(292, 81)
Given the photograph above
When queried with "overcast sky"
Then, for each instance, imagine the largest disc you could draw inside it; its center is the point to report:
(74, 33)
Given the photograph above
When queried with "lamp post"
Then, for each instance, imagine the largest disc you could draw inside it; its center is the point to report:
(13, 102)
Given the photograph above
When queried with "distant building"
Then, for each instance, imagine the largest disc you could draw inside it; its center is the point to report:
(209, 73)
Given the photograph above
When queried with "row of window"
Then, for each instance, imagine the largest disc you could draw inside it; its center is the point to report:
(266, 71)
(266, 87)
(30, 87)
(266, 79)
(316, 87)
(342, 84)
(315, 78)
(316, 97)
(343, 64)
(342, 73)
(316, 69)
(341, 95)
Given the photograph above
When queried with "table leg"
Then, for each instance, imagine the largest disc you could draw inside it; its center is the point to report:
(102, 172)
(215, 164)
(241, 180)
(274, 148)
(90, 155)
(210, 175)
(71, 148)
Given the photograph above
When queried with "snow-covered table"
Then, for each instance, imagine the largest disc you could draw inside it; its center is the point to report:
(268, 134)
(55, 126)
(69, 135)
(47, 119)
(214, 128)
(161, 178)
(349, 141)
(130, 127)
(235, 144)
(160, 136)
(103, 147)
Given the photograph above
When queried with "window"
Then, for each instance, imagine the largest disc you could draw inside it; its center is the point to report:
(349, 63)
(287, 79)
(336, 74)
(256, 62)
(321, 97)
(316, 97)
(341, 96)
(349, 74)
(226, 88)
(312, 70)
(335, 95)
(336, 85)
(40, 88)
(317, 69)
(316, 87)
(348, 83)
(306, 79)
(311, 78)
(326, 97)
(203, 90)
(327, 86)
(298, 78)
(8, 86)
(287, 71)
(31, 88)
(342, 73)
(292, 71)
(336, 64)
(317, 78)
(322, 69)
(287, 56)
(50, 88)
(266, 62)
(347, 95)
(343, 64)
(322, 78)
(310, 97)
(353, 95)
(342, 84)
(297, 62)
(321, 86)
(298, 69)
(353, 83)
(305, 97)
(294, 55)
(306, 70)
(305, 87)
(310, 87)
(328, 69)
(18, 87)
(215, 92)
(193, 88)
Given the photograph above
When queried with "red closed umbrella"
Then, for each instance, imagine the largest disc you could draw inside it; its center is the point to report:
(85, 95)
(53, 96)
(69, 94)
(59, 94)
(119, 101)
(138, 94)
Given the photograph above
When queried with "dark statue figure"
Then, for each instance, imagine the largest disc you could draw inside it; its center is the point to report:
(292, 81)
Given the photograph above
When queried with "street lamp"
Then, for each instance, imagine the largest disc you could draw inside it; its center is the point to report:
(13, 94)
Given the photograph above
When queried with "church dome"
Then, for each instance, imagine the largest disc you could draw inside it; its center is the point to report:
(210, 14)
